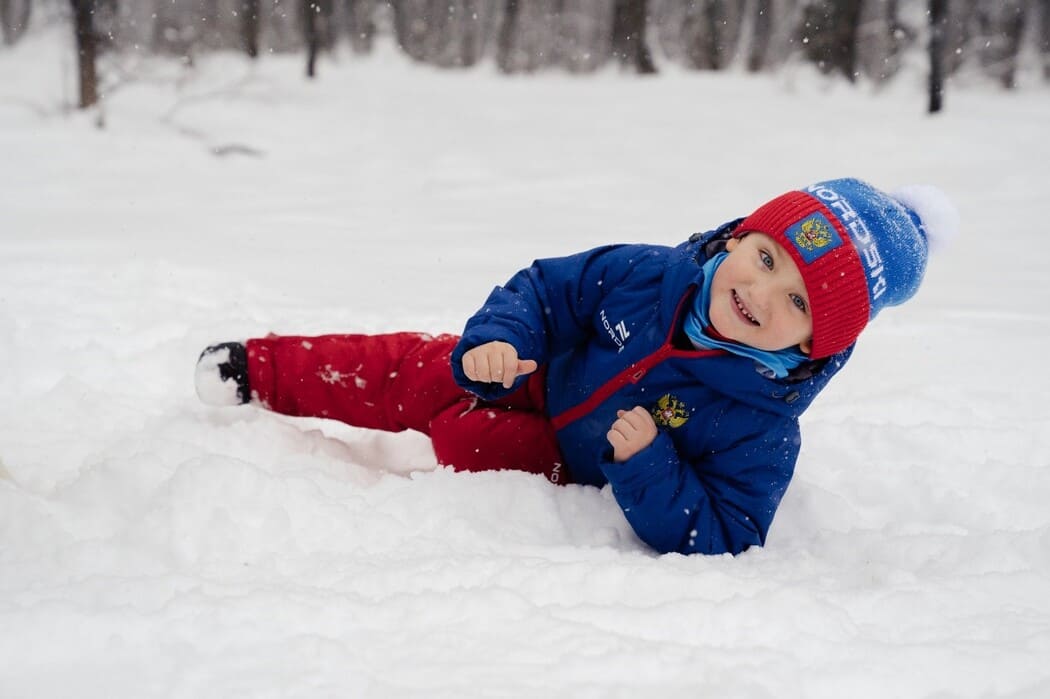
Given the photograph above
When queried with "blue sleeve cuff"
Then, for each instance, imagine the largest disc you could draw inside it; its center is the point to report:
(656, 462)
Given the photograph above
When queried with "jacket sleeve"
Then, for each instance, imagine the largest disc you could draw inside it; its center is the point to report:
(546, 308)
(722, 503)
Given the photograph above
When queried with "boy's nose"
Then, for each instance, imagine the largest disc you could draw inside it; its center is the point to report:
(760, 296)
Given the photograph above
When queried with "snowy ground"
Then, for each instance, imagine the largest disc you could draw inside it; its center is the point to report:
(152, 547)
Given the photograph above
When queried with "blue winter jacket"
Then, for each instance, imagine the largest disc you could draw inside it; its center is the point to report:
(607, 324)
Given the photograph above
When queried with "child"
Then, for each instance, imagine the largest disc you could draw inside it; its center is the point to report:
(676, 375)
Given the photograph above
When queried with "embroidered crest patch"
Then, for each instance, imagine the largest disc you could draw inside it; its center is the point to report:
(813, 236)
(670, 412)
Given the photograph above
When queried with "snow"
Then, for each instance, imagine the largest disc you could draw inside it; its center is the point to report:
(151, 546)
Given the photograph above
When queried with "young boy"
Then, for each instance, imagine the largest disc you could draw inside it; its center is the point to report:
(676, 375)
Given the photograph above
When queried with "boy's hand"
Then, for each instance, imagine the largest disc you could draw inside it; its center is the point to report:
(633, 431)
(496, 362)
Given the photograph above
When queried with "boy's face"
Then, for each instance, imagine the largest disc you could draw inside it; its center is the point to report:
(758, 297)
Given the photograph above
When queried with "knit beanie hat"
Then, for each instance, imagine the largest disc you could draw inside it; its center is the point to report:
(858, 249)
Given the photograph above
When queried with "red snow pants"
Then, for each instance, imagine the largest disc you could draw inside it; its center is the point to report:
(404, 381)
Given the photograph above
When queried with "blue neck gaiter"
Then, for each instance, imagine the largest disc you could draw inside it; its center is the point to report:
(780, 362)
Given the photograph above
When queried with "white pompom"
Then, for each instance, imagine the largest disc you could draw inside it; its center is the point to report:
(939, 216)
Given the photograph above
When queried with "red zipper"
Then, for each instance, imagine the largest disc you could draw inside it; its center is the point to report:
(631, 375)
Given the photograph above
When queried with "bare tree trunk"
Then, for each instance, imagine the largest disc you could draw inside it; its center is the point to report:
(585, 34)
(629, 44)
(1002, 25)
(361, 24)
(714, 14)
(412, 26)
(709, 31)
(315, 18)
(437, 36)
(210, 34)
(938, 18)
(878, 40)
(958, 33)
(530, 35)
(471, 40)
(763, 29)
(829, 32)
(1044, 36)
(14, 18)
(505, 51)
(250, 27)
(86, 49)
(311, 35)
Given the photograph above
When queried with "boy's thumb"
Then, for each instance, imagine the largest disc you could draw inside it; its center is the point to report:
(527, 366)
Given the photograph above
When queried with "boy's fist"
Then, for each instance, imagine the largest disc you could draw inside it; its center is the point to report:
(633, 431)
(496, 362)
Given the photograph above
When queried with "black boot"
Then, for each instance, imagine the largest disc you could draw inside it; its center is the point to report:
(222, 375)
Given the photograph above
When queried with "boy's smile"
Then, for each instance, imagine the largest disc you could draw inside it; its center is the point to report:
(758, 297)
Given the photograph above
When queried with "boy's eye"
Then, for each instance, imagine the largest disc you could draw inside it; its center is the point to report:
(799, 302)
(767, 260)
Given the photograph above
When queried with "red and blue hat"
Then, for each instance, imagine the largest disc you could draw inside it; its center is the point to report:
(858, 249)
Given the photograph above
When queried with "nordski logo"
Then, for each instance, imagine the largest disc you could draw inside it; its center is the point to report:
(862, 238)
(619, 332)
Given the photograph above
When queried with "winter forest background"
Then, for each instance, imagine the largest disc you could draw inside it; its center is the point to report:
(153, 547)
(857, 39)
